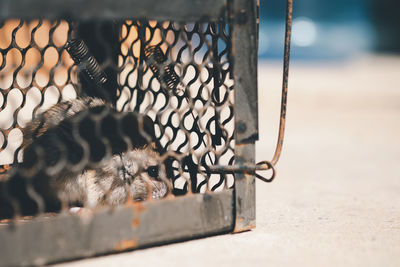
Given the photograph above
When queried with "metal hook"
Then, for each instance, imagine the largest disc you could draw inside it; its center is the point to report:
(269, 166)
(282, 121)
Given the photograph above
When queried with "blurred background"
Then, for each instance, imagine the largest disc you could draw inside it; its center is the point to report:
(336, 198)
(325, 29)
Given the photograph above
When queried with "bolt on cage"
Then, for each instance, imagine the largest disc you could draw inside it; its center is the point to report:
(185, 82)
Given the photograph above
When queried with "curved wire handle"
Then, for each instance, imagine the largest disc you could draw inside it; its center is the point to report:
(266, 165)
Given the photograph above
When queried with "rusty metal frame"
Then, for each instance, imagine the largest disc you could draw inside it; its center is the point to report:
(174, 219)
(245, 17)
(66, 237)
(244, 46)
(179, 10)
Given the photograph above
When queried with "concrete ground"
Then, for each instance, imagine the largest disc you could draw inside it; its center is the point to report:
(336, 200)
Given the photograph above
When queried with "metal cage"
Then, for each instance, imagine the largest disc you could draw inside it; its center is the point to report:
(191, 75)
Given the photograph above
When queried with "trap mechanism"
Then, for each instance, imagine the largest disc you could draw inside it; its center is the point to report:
(183, 84)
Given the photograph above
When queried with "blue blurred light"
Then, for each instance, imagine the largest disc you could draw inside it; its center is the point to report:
(304, 32)
(343, 32)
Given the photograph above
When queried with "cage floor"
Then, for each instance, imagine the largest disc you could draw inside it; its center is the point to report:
(336, 200)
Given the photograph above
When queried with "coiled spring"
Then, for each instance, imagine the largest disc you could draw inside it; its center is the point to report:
(156, 57)
(79, 52)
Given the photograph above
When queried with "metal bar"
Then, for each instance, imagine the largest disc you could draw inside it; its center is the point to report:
(244, 45)
(244, 50)
(245, 190)
(238, 168)
(249, 169)
(178, 10)
(216, 138)
(45, 240)
(141, 28)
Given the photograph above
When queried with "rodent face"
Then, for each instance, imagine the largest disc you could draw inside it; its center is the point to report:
(139, 169)
(132, 174)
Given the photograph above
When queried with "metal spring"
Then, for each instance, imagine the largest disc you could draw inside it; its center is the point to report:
(79, 52)
(155, 56)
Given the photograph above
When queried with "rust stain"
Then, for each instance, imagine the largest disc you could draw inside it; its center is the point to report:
(138, 207)
(129, 201)
(135, 222)
(126, 244)
(243, 228)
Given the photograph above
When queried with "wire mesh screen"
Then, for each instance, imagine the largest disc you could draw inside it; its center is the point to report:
(104, 112)
(179, 75)
(35, 73)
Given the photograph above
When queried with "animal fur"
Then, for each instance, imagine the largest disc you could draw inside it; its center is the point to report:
(111, 161)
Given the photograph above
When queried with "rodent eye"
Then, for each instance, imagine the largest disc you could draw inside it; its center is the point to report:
(152, 171)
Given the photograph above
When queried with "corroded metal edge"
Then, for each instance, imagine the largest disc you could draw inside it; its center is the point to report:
(245, 54)
(243, 14)
(245, 191)
(135, 225)
(177, 10)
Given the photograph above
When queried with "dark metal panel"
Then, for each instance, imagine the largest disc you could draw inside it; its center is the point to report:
(178, 10)
(244, 43)
(44, 240)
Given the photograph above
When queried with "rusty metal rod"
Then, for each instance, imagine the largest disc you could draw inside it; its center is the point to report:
(266, 165)
(247, 168)
(278, 150)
